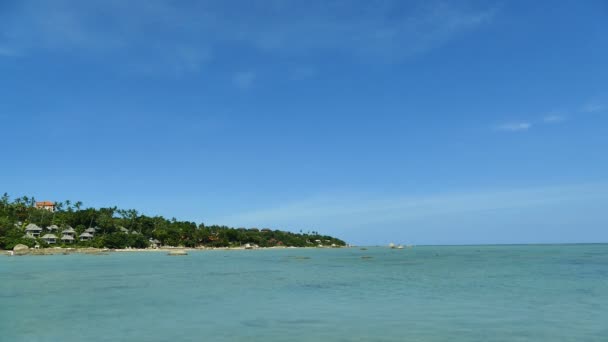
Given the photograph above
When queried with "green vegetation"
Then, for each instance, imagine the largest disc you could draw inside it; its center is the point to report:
(117, 228)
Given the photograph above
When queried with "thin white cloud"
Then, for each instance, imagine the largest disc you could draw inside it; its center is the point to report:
(593, 108)
(244, 79)
(554, 119)
(353, 211)
(514, 126)
(370, 31)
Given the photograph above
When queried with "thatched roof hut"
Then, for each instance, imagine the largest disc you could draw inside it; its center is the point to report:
(67, 238)
(50, 238)
(85, 236)
(32, 228)
(90, 230)
(69, 231)
(52, 228)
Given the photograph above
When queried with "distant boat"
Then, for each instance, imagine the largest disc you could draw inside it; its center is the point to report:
(391, 245)
(400, 247)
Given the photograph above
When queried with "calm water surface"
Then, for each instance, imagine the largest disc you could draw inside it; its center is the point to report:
(468, 293)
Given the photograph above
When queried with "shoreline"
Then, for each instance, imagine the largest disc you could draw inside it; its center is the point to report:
(104, 251)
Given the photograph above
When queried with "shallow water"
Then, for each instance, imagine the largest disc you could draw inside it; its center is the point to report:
(465, 293)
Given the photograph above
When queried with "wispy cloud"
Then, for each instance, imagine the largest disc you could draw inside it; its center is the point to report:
(244, 79)
(354, 211)
(514, 126)
(371, 31)
(594, 108)
(554, 118)
(386, 31)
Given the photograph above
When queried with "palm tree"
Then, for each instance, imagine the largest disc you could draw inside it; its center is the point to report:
(5, 199)
(58, 207)
(130, 214)
(78, 205)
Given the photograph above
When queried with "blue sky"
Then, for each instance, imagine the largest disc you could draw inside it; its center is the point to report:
(414, 122)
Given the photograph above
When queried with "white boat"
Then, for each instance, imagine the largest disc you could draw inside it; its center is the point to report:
(391, 245)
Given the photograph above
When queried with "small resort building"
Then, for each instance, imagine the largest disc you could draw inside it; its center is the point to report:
(52, 228)
(46, 205)
(50, 238)
(33, 230)
(86, 236)
(69, 231)
(67, 239)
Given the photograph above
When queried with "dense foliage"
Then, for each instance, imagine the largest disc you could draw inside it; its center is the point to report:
(117, 228)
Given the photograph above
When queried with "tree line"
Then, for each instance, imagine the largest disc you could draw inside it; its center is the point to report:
(122, 228)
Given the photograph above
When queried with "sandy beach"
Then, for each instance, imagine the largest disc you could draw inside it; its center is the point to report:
(102, 251)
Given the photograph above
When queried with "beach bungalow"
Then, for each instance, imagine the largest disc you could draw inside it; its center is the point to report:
(52, 228)
(50, 238)
(67, 239)
(69, 231)
(91, 231)
(154, 243)
(86, 236)
(123, 229)
(33, 230)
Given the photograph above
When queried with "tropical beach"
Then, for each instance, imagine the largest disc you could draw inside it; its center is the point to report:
(104, 229)
(319, 170)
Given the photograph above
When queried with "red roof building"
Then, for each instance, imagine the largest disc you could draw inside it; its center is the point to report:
(50, 206)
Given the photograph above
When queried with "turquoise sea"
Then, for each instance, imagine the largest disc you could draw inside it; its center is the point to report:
(464, 293)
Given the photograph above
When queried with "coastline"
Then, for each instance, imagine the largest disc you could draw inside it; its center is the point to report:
(104, 251)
